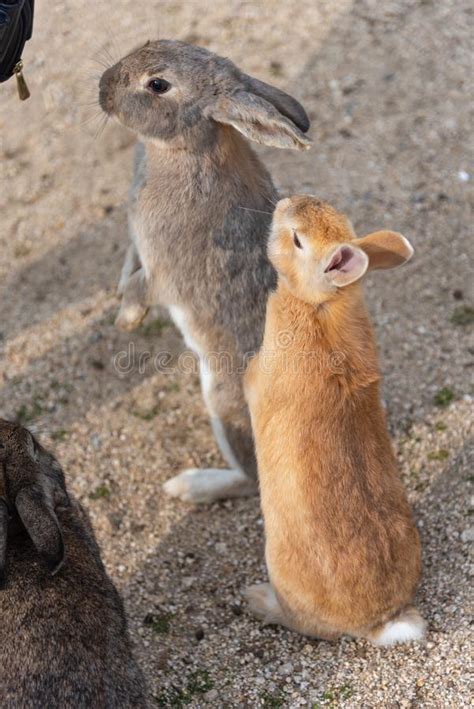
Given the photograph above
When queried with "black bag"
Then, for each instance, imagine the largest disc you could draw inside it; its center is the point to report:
(16, 26)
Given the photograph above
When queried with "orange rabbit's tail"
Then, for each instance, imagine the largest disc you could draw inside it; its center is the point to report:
(406, 626)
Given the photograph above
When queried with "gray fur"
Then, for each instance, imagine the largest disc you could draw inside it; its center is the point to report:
(201, 245)
(285, 104)
(63, 633)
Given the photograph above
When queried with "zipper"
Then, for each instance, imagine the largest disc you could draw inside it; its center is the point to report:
(23, 90)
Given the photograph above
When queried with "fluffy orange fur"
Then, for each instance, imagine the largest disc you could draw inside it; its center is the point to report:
(342, 549)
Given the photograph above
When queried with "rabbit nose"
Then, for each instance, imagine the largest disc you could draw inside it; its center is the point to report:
(106, 86)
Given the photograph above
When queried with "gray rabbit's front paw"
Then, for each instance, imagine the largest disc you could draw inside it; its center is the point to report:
(121, 287)
(130, 317)
(135, 302)
(131, 265)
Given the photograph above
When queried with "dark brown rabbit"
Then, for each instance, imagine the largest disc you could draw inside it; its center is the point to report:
(63, 632)
(199, 216)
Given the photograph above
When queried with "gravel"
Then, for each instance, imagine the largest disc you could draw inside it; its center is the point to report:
(386, 85)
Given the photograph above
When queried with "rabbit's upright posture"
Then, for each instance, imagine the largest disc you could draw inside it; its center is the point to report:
(199, 215)
(342, 550)
(63, 634)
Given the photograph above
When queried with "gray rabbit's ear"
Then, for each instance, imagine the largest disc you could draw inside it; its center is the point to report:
(258, 120)
(42, 526)
(3, 538)
(284, 103)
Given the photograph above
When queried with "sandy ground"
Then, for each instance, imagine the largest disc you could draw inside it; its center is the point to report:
(386, 85)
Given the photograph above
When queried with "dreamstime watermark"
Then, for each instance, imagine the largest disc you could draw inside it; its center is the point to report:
(281, 355)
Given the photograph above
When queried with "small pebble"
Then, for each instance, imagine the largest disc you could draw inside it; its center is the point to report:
(468, 535)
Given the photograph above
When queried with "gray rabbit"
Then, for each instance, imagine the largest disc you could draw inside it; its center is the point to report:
(63, 633)
(199, 214)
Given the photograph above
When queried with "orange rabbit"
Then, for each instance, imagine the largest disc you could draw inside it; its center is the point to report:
(342, 550)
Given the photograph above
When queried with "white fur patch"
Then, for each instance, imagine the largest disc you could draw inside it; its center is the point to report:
(223, 443)
(207, 484)
(263, 602)
(178, 315)
(207, 377)
(410, 248)
(401, 631)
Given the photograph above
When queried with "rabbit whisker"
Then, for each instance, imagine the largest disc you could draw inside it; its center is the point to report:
(93, 117)
(100, 62)
(101, 127)
(106, 53)
(115, 48)
(102, 55)
(271, 201)
(37, 428)
(259, 211)
(87, 104)
(90, 80)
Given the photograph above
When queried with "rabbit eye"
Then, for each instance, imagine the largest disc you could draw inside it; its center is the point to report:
(296, 241)
(159, 86)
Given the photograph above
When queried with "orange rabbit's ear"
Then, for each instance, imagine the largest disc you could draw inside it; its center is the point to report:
(345, 265)
(385, 249)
